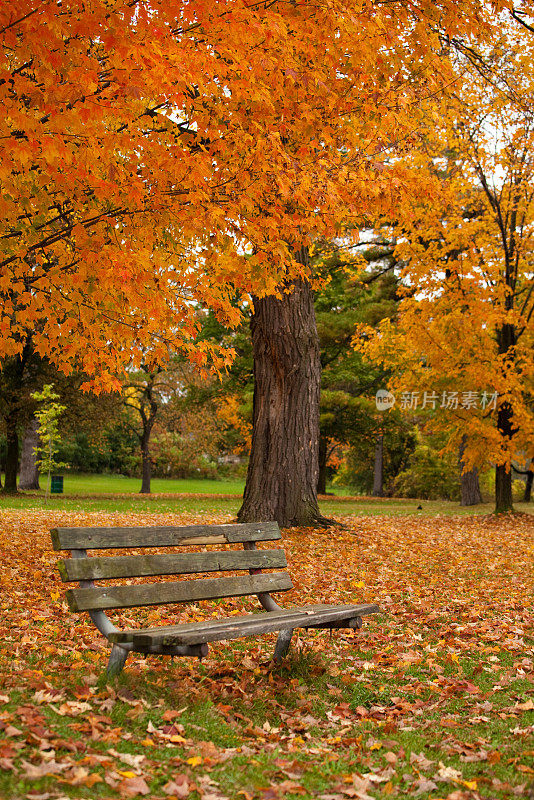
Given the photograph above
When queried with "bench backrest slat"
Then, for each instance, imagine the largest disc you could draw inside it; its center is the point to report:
(152, 594)
(117, 538)
(76, 569)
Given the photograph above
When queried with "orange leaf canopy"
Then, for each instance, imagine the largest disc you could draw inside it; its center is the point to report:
(157, 156)
(465, 327)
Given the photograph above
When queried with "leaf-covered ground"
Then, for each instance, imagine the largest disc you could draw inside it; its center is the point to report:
(432, 698)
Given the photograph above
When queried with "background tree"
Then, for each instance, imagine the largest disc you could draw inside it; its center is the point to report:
(29, 466)
(15, 390)
(470, 494)
(359, 286)
(21, 375)
(528, 483)
(429, 473)
(468, 327)
(47, 414)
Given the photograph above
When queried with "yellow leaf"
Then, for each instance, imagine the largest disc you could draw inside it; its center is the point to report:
(469, 784)
(194, 761)
(126, 773)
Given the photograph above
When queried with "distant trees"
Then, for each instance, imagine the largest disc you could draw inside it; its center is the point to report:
(358, 285)
(465, 329)
(174, 432)
(143, 391)
(47, 413)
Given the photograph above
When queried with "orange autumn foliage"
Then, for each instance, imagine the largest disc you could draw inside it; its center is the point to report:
(146, 146)
(466, 323)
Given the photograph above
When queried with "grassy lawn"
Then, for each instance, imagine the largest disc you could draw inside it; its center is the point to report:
(433, 698)
(116, 493)
(91, 484)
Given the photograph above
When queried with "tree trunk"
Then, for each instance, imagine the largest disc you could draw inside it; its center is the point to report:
(13, 372)
(12, 454)
(503, 489)
(469, 486)
(323, 458)
(29, 471)
(378, 475)
(506, 338)
(148, 410)
(528, 485)
(503, 476)
(283, 468)
(146, 462)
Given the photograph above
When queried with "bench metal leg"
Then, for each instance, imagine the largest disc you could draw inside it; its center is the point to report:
(116, 661)
(282, 643)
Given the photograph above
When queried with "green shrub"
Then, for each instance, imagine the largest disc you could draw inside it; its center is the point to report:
(429, 476)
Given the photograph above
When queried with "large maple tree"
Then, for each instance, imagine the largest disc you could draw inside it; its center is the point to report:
(145, 146)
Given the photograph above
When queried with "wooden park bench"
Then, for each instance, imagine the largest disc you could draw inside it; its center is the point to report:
(190, 639)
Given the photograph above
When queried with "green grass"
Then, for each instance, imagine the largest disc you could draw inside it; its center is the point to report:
(208, 497)
(320, 756)
(75, 484)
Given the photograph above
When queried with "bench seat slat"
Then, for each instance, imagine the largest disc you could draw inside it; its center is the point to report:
(76, 569)
(116, 538)
(247, 625)
(151, 594)
(360, 609)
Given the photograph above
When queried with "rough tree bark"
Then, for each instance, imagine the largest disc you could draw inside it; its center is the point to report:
(29, 471)
(469, 486)
(528, 485)
(12, 451)
(323, 458)
(13, 376)
(378, 474)
(283, 468)
(503, 490)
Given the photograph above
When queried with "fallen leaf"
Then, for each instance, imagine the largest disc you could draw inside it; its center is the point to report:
(10, 730)
(36, 771)
(528, 705)
(424, 785)
(132, 786)
(178, 786)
